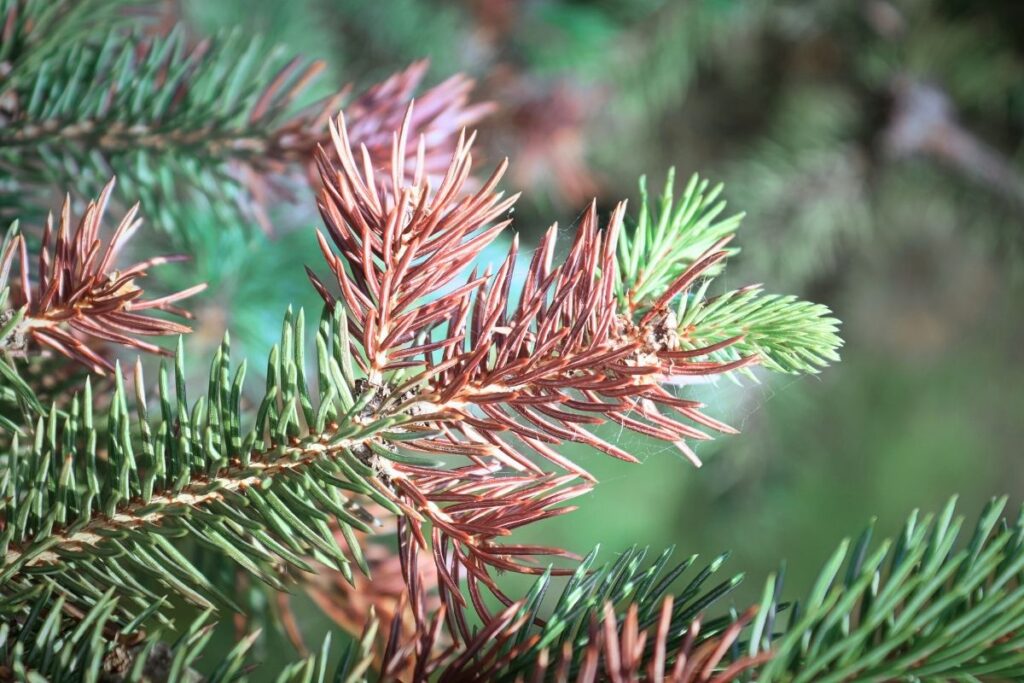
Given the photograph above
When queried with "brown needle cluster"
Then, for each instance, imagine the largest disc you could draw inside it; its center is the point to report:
(614, 650)
(619, 653)
(440, 113)
(351, 602)
(498, 386)
(79, 295)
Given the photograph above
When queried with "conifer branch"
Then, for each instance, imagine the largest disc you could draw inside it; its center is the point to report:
(784, 333)
(222, 115)
(594, 630)
(669, 236)
(52, 642)
(426, 393)
(923, 606)
(435, 417)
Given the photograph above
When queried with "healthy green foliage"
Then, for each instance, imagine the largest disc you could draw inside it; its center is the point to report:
(928, 605)
(34, 30)
(919, 607)
(626, 581)
(789, 335)
(50, 645)
(669, 236)
(161, 114)
(261, 495)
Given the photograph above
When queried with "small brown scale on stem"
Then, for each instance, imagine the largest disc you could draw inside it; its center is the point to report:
(371, 411)
(661, 334)
(15, 341)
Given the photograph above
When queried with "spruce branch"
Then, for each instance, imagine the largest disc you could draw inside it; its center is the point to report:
(784, 333)
(224, 115)
(51, 643)
(613, 650)
(569, 354)
(438, 401)
(195, 472)
(669, 236)
(614, 622)
(105, 520)
(923, 606)
(611, 622)
(488, 377)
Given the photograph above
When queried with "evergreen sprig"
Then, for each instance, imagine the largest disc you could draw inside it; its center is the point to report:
(100, 520)
(669, 238)
(88, 509)
(156, 111)
(77, 291)
(924, 606)
(930, 605)
(751, 323)
(222, 117)
(596, 595)
(438, 398)
(51, 642)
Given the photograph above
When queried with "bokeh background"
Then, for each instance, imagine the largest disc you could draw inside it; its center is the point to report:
(877, 149)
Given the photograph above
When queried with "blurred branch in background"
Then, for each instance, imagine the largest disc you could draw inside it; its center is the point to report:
(924, 122)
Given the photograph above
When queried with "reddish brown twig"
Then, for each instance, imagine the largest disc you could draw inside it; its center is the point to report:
(79, 295)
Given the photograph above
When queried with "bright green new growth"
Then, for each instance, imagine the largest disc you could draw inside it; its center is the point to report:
(787, 334)
(669, 236)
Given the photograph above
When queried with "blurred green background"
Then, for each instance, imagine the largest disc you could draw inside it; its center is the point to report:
(877, 149)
